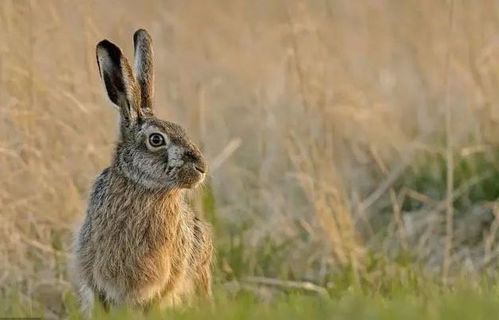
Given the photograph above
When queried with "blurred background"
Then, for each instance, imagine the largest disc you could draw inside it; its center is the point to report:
(339, 133)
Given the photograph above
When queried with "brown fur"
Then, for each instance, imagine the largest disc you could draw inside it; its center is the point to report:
(139, 243)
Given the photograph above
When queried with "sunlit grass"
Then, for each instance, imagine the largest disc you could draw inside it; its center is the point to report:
(402, 295)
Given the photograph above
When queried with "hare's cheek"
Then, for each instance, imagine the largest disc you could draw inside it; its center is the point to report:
(175, 154)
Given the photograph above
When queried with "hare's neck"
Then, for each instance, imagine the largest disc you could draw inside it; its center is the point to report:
(147, 201)
(148, 217)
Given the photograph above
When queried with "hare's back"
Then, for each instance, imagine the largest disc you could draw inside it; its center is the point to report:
(98, 192)
(84, 252)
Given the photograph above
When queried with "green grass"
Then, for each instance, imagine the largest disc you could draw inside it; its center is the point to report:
(403, 296)
(476, 178)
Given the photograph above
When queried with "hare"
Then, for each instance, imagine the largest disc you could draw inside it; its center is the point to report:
(140, 244)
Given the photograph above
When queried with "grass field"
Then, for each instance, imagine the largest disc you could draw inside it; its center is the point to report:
(353, 149)
(404, 295)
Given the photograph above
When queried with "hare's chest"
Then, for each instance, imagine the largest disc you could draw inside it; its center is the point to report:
(132, 260)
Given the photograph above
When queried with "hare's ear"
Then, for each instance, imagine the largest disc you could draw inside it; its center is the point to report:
(118, 79)
(143, 68)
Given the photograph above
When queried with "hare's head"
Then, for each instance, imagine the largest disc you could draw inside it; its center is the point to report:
(151, 152)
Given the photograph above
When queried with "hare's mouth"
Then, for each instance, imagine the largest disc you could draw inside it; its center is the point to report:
(200, 169)
(190, 175)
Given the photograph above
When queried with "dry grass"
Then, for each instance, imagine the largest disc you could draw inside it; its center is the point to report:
(325, 123)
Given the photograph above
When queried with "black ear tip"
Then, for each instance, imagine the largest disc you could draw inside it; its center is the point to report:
(109, 48)
(141, 35)
(105, 44)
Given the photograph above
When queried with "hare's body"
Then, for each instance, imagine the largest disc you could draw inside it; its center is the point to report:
(140, 244)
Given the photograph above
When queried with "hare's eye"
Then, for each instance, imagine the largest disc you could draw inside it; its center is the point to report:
(156, 140)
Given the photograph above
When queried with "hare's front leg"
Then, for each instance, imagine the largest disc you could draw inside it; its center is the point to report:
(203, 253)
(203, 281)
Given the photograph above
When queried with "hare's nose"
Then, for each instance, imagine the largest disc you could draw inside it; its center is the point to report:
(196, 159)
(191, 156)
